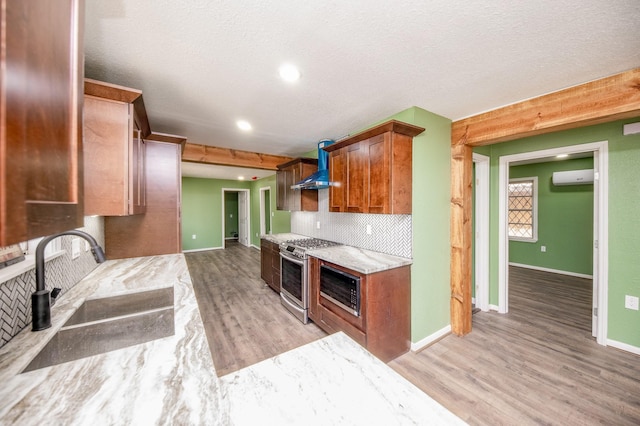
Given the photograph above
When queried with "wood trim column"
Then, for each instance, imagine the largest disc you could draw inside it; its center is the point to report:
(461, 235)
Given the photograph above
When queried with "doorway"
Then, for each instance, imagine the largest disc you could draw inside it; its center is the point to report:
(265, 210)
(242, 214)
(600, 227)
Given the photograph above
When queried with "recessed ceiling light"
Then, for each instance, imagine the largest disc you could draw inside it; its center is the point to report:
(240, 177)
(562, 155)
(289, 73)
(244, 125)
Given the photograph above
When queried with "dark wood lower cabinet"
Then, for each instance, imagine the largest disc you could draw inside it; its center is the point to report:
(270, 264)
(384, 324)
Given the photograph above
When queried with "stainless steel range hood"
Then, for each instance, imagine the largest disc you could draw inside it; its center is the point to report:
(319, 179)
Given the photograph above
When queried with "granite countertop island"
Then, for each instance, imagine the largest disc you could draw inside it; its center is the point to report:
(172, 380)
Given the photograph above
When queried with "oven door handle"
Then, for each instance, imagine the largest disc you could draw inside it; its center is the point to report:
(292, 259)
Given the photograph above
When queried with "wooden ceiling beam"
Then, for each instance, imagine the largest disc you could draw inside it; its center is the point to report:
(600, 101)
(206, 154)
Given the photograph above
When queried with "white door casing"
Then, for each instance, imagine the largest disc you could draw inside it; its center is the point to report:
(481, 237)
(244, 224)
(263, 212)
(600, 229)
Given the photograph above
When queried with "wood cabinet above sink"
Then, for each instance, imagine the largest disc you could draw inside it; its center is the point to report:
(115, 128)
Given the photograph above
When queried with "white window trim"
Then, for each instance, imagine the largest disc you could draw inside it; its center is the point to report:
(534, 238)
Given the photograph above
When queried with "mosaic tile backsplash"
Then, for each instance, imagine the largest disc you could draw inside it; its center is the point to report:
(62, 272)
(390, 234)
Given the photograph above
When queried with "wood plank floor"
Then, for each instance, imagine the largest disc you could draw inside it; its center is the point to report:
(538, 364)
(243, 319)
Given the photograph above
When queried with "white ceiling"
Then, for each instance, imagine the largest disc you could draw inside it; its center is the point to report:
(204, 64)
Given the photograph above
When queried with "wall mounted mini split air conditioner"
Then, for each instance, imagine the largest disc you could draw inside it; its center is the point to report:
(573, 177)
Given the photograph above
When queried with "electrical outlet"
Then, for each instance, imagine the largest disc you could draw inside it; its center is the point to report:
(193, 237)
(368, 229)
(631, 302)
(86, 245)
(75, 248)
(543, 249)
(318, 225)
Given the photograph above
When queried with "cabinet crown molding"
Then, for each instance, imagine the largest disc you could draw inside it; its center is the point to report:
(394, 126)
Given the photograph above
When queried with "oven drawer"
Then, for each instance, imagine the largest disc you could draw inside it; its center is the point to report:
(335, 323)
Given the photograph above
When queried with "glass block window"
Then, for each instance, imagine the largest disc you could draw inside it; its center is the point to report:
(523, 202)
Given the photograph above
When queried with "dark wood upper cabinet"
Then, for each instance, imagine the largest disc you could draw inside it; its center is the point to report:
(115, 126)
(158, 230)
(371, 172)
(41, 191)
(289, 174)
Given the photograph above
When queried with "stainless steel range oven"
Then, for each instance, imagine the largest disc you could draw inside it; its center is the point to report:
(294, 274)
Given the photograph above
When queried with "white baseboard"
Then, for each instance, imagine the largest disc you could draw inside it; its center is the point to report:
(255, 246)
(202, 249)
(494, 308)
(432, 338)
(623, 346)
(555, 271)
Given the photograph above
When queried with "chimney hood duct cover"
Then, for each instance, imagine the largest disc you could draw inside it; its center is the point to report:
(319, 179)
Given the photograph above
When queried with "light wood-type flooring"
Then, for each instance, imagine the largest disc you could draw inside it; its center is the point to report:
(243, 318)
(538, 364)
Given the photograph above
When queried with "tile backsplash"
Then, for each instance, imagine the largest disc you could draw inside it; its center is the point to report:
(62, 272)
(391, 234)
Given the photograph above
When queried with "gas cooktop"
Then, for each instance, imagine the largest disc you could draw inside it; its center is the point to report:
(298, 247)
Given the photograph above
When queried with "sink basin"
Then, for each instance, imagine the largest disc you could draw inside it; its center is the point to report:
(106, 324)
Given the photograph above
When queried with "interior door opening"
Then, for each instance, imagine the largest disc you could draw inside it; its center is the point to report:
(599, 151)
(265, 210)
(235, 216)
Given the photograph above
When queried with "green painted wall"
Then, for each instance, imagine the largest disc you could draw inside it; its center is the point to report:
(230, 214)
(565, 220)
(202, 211)
(430, 271)
(624, 220)
(280, 220)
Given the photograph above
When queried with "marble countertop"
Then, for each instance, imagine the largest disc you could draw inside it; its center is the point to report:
(361, 260)
(143, 384)
(332, 381)
(281, 238)
(172, 380)
(354, 258)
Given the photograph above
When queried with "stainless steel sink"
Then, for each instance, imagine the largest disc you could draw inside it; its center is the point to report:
(107, 324)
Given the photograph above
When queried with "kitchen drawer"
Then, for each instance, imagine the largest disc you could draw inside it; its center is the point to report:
(335, 323)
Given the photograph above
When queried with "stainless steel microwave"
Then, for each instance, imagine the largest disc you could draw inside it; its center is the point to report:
(341, 288)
